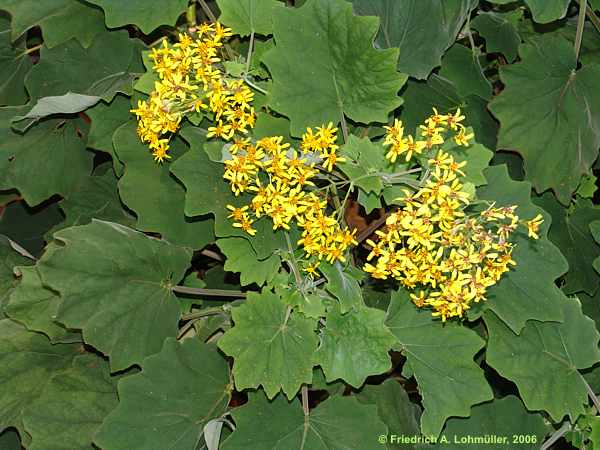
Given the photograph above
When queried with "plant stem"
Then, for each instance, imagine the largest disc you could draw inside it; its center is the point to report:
(250, 49)
(213, 19)
(210, 292)
(305, 406)
(190, 14)
(344, 128)
(258, 88)
(30, 50)
(592, 395)
(205, 312)
(211, 254)
(292, 261)
(556, 436)
(580, 27)
(593, 18)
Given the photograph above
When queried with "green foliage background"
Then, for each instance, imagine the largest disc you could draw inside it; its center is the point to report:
(111, 336)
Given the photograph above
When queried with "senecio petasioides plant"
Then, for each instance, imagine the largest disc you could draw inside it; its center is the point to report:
(270, 225)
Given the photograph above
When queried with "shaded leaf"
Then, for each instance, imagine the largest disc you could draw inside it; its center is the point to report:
(9, 258)
(68, 103)
(338, 423)
(543, 11)
(549, 112)
(322, 53)
(167, 405)
(543, 361)
(422, 29)
(242, 258)
(115, 286)
(500, 32)
(247, 16)
(14, 66)
(72, 406)
(441, 357)
(343, 286)
(270, 346)
(354, 345)
(106, 118)
(462, 67)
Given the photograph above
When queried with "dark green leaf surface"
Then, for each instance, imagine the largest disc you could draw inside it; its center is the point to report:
(269, 346)
(549, 112)
(500, 32)
(242, 258)
(441, 357)
(322, 54)
(114, 284)
(168, 403)
(338, 423)
(248, 16)
(543, 361)
(13, 68)
(543, 11)
(343, 286)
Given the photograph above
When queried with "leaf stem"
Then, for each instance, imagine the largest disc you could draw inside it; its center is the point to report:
(30, 50)
(305, 406)
(593, 18)
(206, 312)
(556, 436)
(344, 128)
(292, 261)
(213, 19)
(210, 292)
(591, 394)
(580, 27)
(258, 88)
(250, 49)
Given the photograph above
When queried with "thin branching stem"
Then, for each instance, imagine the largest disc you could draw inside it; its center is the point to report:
(580, 27)
(208, 292)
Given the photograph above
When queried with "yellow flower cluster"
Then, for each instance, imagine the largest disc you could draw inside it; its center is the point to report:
(191, 79)
(431, 135)
(280, 179)
(448, 258)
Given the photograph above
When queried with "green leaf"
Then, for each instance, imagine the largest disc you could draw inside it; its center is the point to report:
(167, 404)
(543, 11)
(139, 13)
(106, 118)
(422, 29)
(150, 191)
(500, 32)
(441, 356)
(68, 103)
(49, 159)
(312, 305)
(571, 234)
(365, 161)
(15, 66)
(595, 229)
(27, 362)
(248, 16)
(322, 53)
(95, 197)
(242, 258)
(115, 286)
(505, 418)
(60, 20)
(587, 188)
(478, 158)
(549, 112)
(461, 66)
(543, 361)
(9, 258)
(354, 345)
(108, 66)
(35, 306)
(9, 440)
(269, 346)
(343, 286)
(72, 406)
(394, 408)
(338, 423)
(528, 290)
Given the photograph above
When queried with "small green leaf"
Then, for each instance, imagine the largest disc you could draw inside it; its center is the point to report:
(248, 16)
(500, 32)
(167, 405)
(242, 258)
(150, 191)
(269, 346)
(72, 406)
(355, 345)
(35, 306)
(543, 11)
(587, 188)
(528, 290)
(338, 423)
(138, 12)
(322, 53)
(441, 357)
(343, 286)
(422, 29)
(364, 163)
(27, 362)
(549, 112)
(114, 284)
(15, 66)
(543, 361)
(68, 103)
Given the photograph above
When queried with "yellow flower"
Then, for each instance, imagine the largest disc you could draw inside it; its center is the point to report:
(533, 226)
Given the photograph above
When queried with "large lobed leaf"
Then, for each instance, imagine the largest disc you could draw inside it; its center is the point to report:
(115, 286)
(324, 66)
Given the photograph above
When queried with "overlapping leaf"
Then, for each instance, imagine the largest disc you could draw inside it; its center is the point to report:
(248, 16)
(324, 66)
(528, 290)
(545, 359)
(150, 191)
(354, 345)
(441, 357)
(270, 346)
(500, 32)
(72, 406)
(543, 11)
(343, 285)
(549, 112)
(138, 12)
(166, 405)
(114, 284)
(278, 424)
(422, 29)
(15, 66)
(242, 258)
